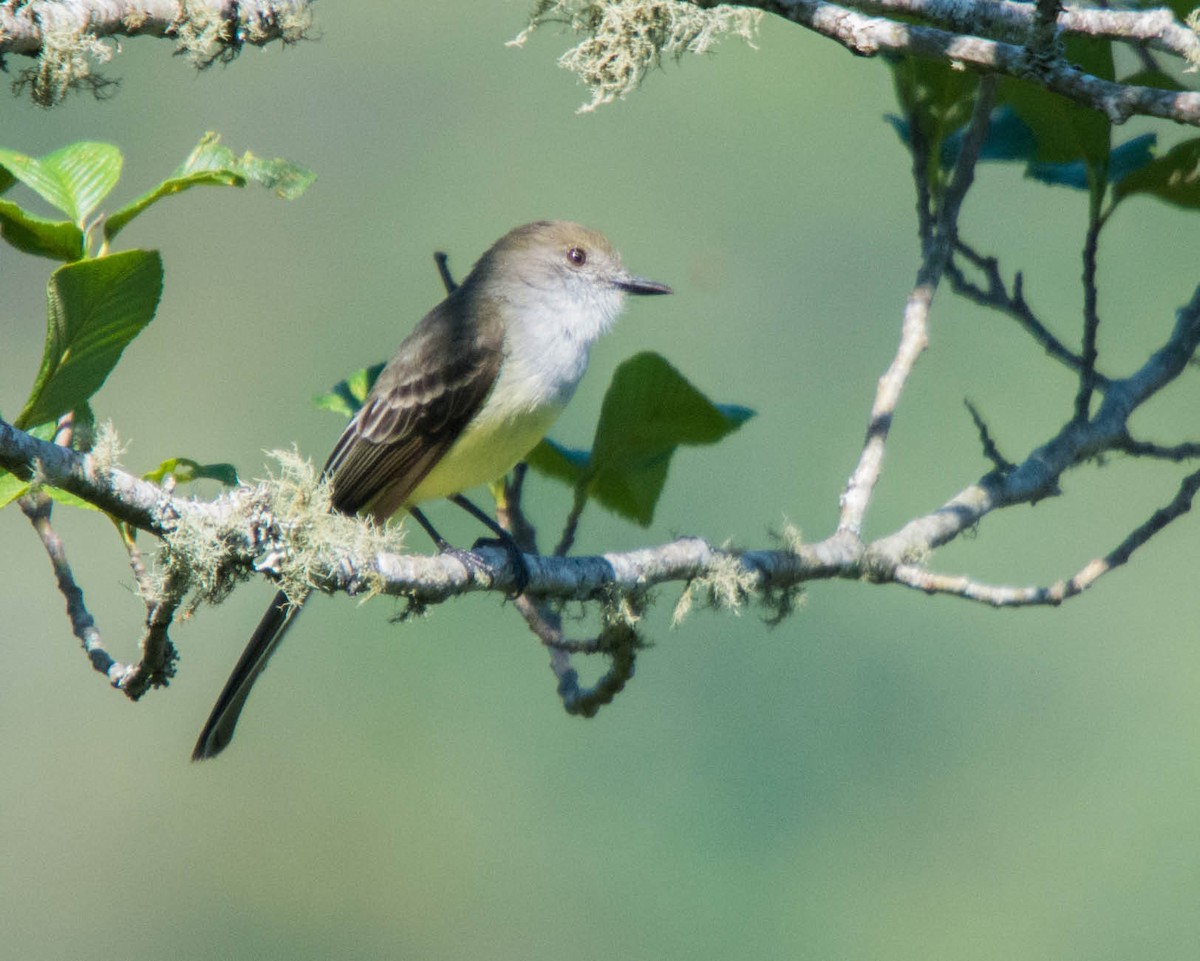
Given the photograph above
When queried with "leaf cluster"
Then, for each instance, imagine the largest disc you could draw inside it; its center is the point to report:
(100, 300)
(1060, 142)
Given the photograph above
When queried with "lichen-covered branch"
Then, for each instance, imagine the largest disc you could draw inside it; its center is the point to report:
(624, 39)
(870, 36)
(67, 37)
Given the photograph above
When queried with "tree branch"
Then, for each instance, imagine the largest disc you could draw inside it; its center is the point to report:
(66, 36)
(870, 36)
(1001, 596)
(997, 297)
(914, 334)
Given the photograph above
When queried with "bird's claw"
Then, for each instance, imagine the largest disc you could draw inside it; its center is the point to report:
(515, 557)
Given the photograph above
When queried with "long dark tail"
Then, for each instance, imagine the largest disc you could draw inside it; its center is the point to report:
(218, 730)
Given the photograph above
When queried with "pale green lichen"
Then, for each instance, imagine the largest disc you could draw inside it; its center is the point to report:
(106, 448)
(728, 585)
(311, 540)
(625, 39)
(64, 64)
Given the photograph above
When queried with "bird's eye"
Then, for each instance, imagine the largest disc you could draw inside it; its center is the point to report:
(577, 256)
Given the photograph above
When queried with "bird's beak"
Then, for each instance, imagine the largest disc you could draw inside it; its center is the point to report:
(640, 285)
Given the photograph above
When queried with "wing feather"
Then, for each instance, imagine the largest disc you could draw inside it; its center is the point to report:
(422, 400)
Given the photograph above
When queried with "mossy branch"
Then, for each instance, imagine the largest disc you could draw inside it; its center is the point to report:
(70, 38)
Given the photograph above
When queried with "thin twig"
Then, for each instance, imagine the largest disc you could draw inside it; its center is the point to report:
(911, 575)
(1014, 304)
(37, 508)
(870, 36)
(571, 526)
(1171, 452)
(990, 450)
(914, 334)
(1091, 315)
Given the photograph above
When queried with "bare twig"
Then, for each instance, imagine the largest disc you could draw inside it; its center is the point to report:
(571, 525)
(913, 576)
(914, 330)
(997, 297)
(990, 450)
(1171, 452)
(1091, 315)
(37, 508)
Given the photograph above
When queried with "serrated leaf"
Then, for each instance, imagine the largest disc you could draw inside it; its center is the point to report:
(73, 179)
(96, 307)
(649, 410)
(185, 471)
(347, 396)
(1173, 177)
(57, 239)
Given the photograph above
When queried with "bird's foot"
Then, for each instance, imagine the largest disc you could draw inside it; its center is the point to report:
(515, 557)
(474, 563)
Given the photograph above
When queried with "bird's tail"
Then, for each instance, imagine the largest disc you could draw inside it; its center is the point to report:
(218, 729)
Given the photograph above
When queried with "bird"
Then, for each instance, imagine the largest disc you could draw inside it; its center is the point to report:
(469, 393)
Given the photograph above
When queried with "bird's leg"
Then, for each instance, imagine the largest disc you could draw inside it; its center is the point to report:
(503, 539)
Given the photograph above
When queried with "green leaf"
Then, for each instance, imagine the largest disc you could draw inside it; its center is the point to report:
(57, 239)
(347, 396)
(567, 464)
(73, 179)
(1173, 177)
(1123, 160)
(11, 487)
(212, 164)
(937, 96)
(1181, 8)
(96, 307)
(649, 410)
(119, 219)
(67, 498)
(1064, 130)
(185, 471)
(287, 179)
(1154, 78)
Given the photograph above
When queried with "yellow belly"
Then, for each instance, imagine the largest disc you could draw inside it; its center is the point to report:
(487, 450)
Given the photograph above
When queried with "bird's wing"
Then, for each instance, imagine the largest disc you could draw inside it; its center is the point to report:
(424, 397)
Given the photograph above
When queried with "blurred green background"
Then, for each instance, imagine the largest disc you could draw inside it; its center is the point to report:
(884, 776)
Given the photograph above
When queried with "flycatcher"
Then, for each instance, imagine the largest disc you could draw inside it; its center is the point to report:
(470, 392)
